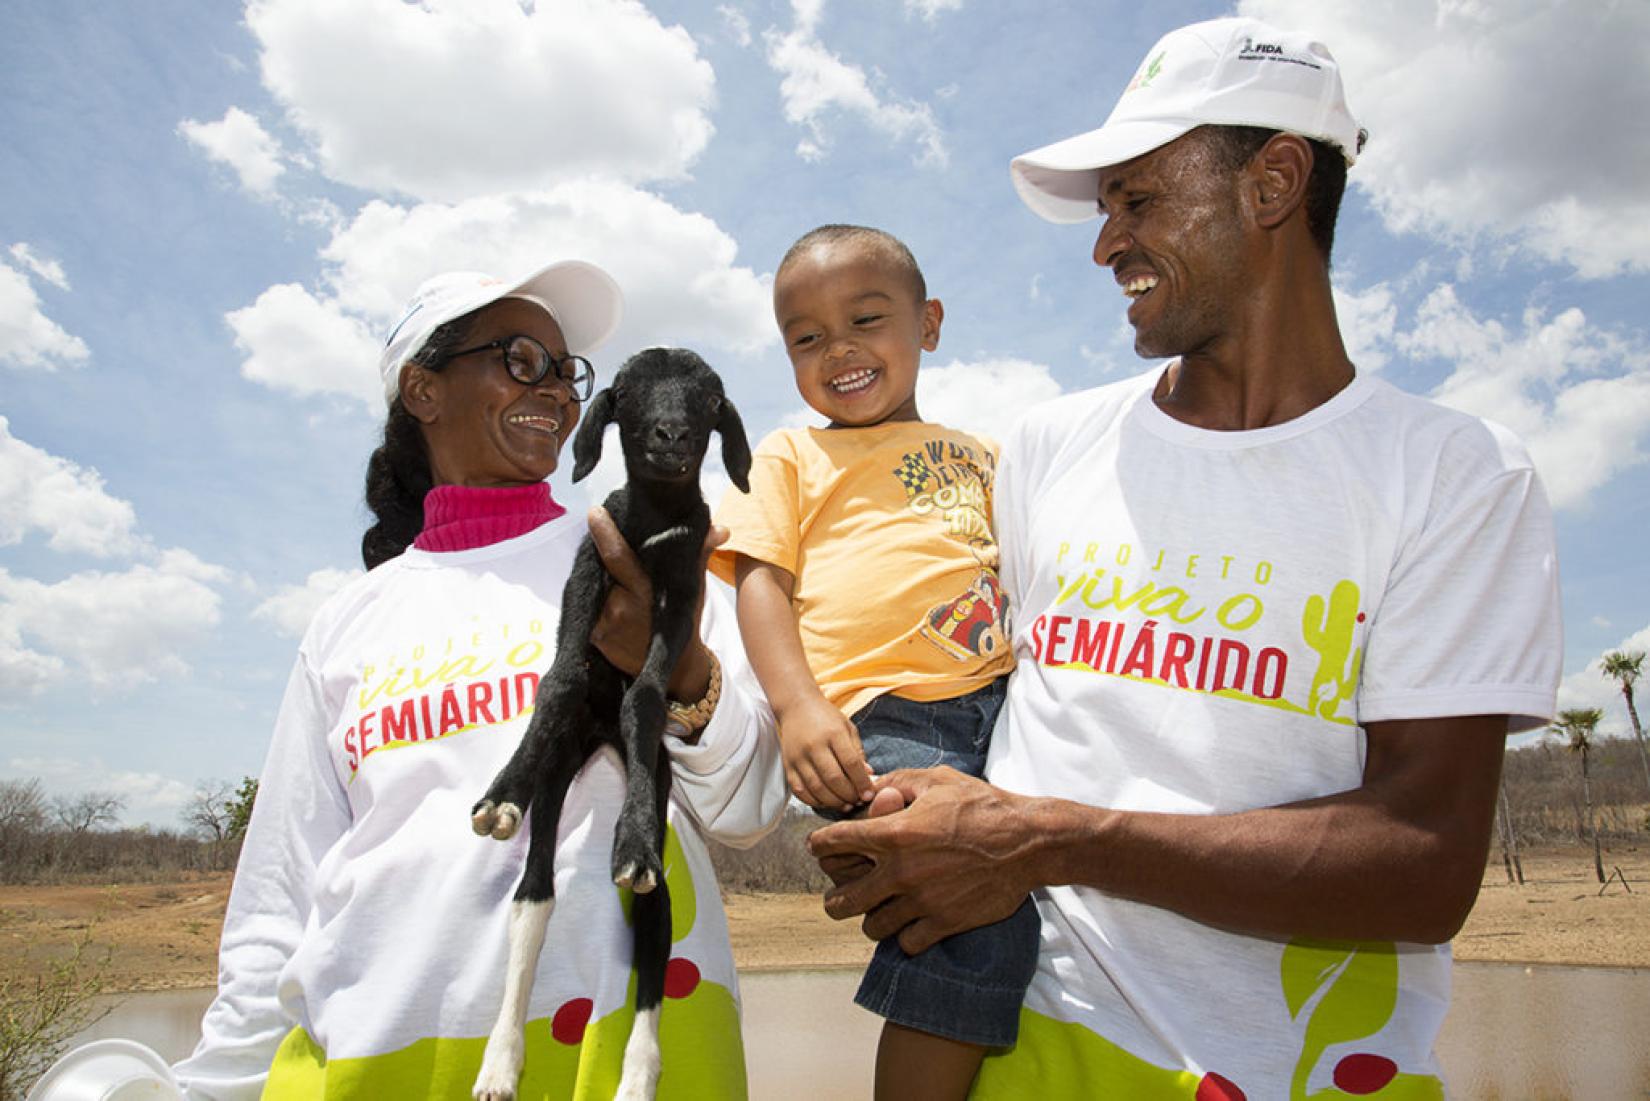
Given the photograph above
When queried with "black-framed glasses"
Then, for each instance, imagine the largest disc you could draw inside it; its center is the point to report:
(529, 362)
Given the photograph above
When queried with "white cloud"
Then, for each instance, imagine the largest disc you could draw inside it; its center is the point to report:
(816, 82)
(1368, 319)
(28, 338)
(49, 270)
(739, 27)
(931, 9)
(1578, 396)
(678, 273)
(985, 396)
(239, 141)
(292, 607)
(44, 493)
(105, 629)
(1515, 121)
(293, 341)
(1589, 687)
(449, 99)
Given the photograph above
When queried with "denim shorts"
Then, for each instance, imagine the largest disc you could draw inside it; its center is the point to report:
(968, 987)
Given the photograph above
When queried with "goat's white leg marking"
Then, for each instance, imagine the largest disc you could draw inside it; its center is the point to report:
(641, 1059)
(506, 1046)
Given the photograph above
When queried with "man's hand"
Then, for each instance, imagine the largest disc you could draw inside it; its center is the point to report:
(623, 629)
(957, 857)
(824, 763)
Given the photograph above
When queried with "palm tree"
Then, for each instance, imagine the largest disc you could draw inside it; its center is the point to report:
(1578, 725)
(1509, 836)
(1624, 666)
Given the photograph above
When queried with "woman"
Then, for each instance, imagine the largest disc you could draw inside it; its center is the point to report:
(364, 949)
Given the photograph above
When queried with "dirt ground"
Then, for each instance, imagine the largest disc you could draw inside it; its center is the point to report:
(165, 935)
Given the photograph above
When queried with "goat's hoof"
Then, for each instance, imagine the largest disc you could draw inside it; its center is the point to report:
(494, 1083)
(638, 879)
(500, 821)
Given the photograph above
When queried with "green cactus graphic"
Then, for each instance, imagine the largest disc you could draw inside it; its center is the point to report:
(1328, 628)
(1152, 70)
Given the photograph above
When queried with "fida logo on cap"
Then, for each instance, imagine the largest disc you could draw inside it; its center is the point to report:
(1271, 51)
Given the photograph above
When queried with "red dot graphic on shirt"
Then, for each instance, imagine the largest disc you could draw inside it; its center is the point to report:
(567, 1026)
(681, 978)
(1362, 617)
(1213, 1087)
(1364, 1073)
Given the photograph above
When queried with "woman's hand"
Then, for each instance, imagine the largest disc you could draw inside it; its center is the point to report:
(624, 627)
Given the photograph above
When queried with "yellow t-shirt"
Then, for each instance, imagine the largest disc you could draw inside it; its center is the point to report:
(887, 531)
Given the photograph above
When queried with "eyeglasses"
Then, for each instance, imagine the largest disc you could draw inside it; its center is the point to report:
(528, 362)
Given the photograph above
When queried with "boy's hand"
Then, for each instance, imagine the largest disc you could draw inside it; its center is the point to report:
(824, 763)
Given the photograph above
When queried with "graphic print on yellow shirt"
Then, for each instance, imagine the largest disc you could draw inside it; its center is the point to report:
(948, 481)
(887, 532)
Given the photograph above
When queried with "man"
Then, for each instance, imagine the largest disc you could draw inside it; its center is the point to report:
(1273, 620)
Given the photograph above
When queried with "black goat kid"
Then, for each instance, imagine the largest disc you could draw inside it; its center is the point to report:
(666, 402)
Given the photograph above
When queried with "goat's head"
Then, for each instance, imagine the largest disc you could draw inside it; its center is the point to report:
(666, 402)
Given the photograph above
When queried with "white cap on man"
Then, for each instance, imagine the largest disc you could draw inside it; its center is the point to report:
(584, 300)
(1228, 72)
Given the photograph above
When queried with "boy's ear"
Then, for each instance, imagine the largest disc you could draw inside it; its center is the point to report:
(736, 448)
(587, 443)
(933, 313)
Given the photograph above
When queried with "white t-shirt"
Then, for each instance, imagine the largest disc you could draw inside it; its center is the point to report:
(367, 914)
(1200, 622)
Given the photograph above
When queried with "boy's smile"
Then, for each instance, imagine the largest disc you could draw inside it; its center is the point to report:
(855, 331)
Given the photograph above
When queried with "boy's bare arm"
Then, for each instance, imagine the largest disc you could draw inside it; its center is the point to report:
(823, 760)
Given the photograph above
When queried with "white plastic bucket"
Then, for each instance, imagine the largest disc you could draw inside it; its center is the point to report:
(108, 1070)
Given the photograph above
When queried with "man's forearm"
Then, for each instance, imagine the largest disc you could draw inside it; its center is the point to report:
(1399, 858)
(1335, 868)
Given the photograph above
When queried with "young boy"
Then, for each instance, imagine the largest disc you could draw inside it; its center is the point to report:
(867, 587)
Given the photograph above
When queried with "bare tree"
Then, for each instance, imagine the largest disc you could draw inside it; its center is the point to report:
(79, 814)
(1578, 725)
(22, 806)
(1624, 667)
(208, 811)
(22, 823)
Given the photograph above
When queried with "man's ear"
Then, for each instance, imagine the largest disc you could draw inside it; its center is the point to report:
(933, 315)
(1276, 178)
(587, 442)
(419, 392)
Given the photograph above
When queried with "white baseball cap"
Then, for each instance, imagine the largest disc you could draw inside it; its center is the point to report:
(1230, 72)
(584, 300)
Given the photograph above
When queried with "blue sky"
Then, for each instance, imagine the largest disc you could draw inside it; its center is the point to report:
(209, 215)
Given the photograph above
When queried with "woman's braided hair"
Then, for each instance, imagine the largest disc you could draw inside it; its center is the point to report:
(398, 473)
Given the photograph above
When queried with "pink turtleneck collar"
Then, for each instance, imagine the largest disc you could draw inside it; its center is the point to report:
(463, 517)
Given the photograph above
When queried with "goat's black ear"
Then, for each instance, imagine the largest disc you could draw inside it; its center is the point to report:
(736, 448)
(587, 444)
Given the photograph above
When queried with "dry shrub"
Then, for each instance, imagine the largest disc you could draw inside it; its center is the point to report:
(41, 1013)
(778, 864)
(1543, 783)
